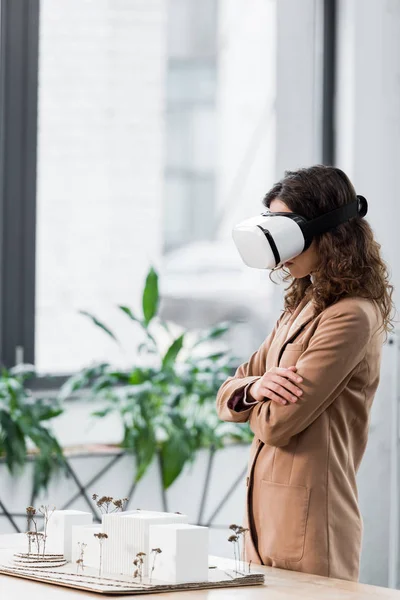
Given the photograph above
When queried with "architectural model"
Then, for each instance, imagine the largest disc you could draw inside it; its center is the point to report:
(185, 555)
(59, 530)
(128, 552)
(128, 534)
(84, 534)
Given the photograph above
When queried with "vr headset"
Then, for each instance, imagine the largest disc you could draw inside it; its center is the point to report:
(271, 239)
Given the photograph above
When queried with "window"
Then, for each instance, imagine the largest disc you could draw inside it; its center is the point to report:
(155, 134)
(151, 124)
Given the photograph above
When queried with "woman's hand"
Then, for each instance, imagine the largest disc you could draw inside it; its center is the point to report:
(277, 384)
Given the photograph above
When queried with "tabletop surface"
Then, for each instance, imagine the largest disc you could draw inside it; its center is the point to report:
(279, 585)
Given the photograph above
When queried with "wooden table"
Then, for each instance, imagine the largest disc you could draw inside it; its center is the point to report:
(279, 585)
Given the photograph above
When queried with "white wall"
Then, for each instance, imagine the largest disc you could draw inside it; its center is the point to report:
(368, 113)
(368, 149)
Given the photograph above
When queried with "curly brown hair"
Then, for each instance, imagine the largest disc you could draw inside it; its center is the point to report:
(350, 258)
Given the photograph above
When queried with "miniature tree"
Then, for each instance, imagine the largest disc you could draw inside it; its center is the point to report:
(108, 505)
(155, 552)
(241, 532)
(235, 539)
(101, 537)
(46, 512)
(80, 560)
(33, 533)
(31, 539)
(30, 513)
(139, 562)
(39, 539)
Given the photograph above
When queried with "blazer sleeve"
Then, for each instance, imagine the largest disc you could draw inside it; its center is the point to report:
(238, 385)
(336, 349)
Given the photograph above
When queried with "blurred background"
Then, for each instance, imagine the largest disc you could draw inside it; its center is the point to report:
(134, 135)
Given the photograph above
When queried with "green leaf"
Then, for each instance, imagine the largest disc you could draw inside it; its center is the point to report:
(13, 442)
(45, 412)
(129, 312)
(23, 371)
(175, 453)
(172, 352)
(102, 413)
(142, 441)
(138, 376)
(99, 324)
(47, 463)
(214, 357)
(21, 419)
(212, 333)
(150, 296)
(73, 384)
(144, 325)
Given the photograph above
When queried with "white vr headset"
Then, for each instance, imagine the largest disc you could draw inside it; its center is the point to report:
(271, 239)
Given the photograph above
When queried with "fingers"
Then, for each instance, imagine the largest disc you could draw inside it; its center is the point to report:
(293, 392)
(270, 395)
(284, 395)
(288, 373)
(281, 385)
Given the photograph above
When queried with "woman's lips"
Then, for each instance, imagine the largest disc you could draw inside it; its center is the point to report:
(288, 263)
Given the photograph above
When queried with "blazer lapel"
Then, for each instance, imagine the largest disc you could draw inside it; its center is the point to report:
(302, 315)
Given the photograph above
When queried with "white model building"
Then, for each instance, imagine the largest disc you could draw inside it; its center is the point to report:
(84, 534)
(184, 547)
(184, 552)
(128, 534)
(59, 530)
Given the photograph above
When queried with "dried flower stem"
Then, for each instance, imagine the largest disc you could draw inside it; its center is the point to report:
(239, 532)
(138, 562)
(109, 505)
(236, 551)
(233, 539)
(80, 561)
(36, 535)
(47, 512)
(155, 552)
(30, 511)
(244, 549)
(101, 537)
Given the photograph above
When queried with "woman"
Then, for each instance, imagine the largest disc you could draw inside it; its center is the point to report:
(307, 392)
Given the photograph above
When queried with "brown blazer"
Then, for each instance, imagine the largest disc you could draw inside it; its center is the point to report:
(302, 507)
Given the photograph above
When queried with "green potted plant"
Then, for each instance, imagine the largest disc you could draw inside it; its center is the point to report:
(24, 427)
(166, 401)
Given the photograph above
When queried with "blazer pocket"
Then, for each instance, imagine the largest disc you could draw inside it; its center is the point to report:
(291, 355)
(294, 347)
(283, 531)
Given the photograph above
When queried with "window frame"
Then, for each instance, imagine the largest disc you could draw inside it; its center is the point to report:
(19, 57)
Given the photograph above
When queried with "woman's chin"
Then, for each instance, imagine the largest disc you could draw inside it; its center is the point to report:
(294, 270)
